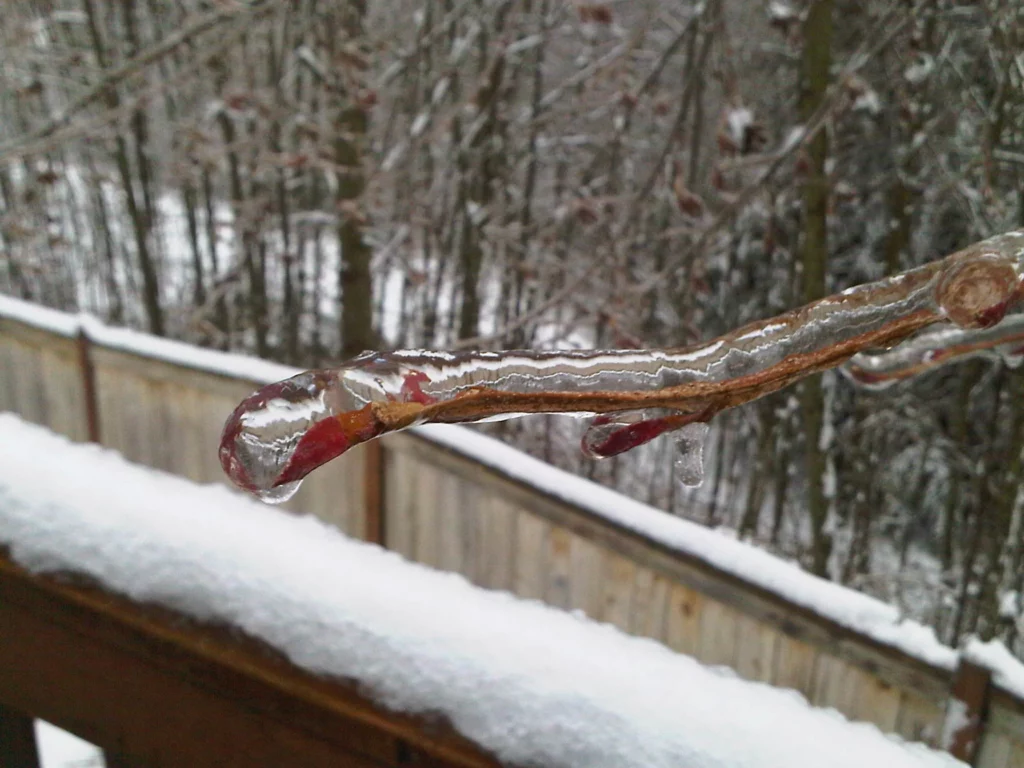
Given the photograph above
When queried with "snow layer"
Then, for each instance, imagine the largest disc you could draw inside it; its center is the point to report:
(234, 366)
(534, 685)
(60, 749)
(861, 613)
(1007, 670)
(852, 609)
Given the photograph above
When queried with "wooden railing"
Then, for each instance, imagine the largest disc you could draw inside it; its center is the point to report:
(441, 505)
(155, 689)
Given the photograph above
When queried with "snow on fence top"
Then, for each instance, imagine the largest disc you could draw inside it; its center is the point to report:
(861, 613)
(532, 684)
(143, 344)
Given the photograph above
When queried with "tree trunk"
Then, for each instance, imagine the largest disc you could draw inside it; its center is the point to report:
(814, 253)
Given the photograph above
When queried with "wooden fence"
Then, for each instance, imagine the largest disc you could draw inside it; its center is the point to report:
(437, 505)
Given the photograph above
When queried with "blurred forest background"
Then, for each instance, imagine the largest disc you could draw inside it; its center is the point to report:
(305, 179)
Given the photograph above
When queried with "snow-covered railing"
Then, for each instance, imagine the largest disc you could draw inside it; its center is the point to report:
(453, 499)
(192, 627)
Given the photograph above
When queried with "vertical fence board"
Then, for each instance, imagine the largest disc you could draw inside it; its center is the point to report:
(8, 402)
(879, 703)
(586, 584)
(559, 567)
(794, 665)
(718, 630)
(1016, 755)
(191, 411)
(996, 752)
(216, 409)
(682, 628)
(167, 451)
(448, 521)
(108, 387)
(836, 684)
(919, 719)
(63, 390)
(334, 494)
(400, 483)
(620, 575)
(531, 556)
(755, 649)
(497, 543)
(650, 607)
(427, 491)
(28, 394)
(472, 502)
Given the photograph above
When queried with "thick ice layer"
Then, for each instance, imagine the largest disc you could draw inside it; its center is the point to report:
(931, 350)
(534, 685)
(284, 431)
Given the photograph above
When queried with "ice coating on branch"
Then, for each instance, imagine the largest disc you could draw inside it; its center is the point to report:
(1003, 342)
(614, 433)
(282, 432)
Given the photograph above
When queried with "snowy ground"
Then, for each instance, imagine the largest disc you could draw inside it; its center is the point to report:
(534, 685)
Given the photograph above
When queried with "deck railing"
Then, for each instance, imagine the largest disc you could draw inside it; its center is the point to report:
(447, 503)
(153, 689)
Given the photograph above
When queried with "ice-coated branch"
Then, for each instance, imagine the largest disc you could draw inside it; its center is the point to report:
(282, 432)
(931, 350)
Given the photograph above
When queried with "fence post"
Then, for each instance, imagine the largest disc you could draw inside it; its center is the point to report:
(967, 711)
(18, 747)
(373, 493)
(92, 412)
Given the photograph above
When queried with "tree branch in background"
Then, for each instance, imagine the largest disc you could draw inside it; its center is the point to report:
(132, 67)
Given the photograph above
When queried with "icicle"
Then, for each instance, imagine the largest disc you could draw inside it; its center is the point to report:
(690, 453)
(279, 434)
(614, 433)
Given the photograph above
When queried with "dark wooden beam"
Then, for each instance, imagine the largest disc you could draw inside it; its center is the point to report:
(92, 408)
(373, 492)
(159, 690)
(967, 710)
(17, 740)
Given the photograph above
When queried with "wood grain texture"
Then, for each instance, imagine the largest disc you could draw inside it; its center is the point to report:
(497, 533)
(401, 479)
(755, 649)
(531, 551)
(587, 565)
(718, 634)
(794, 665)
(650, 604)
(685, 614)
(920, 718)
(794, 621)
(428, 490)
(558, 568)
(996, 751)
(879, 703)
(617, 605)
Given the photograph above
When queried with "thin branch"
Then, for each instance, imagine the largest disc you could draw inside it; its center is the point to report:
(133, 66)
